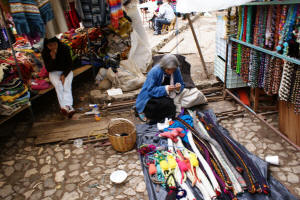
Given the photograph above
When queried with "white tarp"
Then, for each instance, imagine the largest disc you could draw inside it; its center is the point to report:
(188, 6)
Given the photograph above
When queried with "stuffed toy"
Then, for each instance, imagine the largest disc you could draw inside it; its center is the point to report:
(175, 132)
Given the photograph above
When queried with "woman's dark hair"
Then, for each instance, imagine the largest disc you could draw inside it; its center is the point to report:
(51, 40)
(159, 2)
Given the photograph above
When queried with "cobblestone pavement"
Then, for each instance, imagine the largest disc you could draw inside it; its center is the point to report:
(262, 141)
(66, 172)
(62, 171)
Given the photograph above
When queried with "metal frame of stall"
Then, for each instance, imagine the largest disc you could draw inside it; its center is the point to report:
(272, 53)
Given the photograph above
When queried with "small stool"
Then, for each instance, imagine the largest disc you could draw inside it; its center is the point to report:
(169, 27)
(257, 96)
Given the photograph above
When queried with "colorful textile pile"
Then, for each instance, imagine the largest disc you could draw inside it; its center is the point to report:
(208, 165)
(276, 28)
(213, 163)
(13, 91)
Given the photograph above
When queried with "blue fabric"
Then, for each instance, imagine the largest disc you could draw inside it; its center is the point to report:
(153, 87)
(159, 22)
(29, 19)
(188, 119)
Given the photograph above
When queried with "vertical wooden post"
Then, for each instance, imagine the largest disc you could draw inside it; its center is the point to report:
(225, 70)
(197, 44)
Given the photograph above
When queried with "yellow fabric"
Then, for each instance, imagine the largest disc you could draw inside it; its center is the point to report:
(11, 99)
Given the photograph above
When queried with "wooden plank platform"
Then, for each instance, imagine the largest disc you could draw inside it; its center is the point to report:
(49, 132)
(5, 118)
(76, 72)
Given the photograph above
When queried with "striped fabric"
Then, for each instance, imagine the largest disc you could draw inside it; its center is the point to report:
(116, 12)
(30, 16)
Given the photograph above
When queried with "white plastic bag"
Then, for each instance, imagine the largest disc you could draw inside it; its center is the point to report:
(189, 98)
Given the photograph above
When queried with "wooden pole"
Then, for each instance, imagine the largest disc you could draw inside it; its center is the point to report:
(197, 44)
(225, 70)
(263, 120)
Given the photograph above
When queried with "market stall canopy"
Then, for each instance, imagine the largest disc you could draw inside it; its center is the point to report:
(188, 6)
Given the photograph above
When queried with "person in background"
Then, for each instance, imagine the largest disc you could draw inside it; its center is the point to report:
(58, 62)
(164, 16)
(155, 14)
(164, 81)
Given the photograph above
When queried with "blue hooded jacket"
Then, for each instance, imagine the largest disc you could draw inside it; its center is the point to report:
(153, 86)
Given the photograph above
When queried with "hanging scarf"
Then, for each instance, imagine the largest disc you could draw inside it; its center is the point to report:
(116, 12)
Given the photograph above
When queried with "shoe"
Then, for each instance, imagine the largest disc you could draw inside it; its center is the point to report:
(71, 111)
(157, 33)
(64, 110)
(142, 117)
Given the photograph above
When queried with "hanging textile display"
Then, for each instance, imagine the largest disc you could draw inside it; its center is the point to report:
(58, 24)
(116, 12)
(30, 17)
(93, 13)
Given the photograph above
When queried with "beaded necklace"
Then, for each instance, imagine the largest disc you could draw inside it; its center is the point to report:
(268, 74)
(234, 45)
(281, 27)
(296, 91)
(240, 35)
(286, 81)
(290, 26)
(270, 28)
(277, 73)
(279, 10)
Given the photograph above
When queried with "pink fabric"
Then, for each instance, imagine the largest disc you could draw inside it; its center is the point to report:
(39, 84)
(43, 73)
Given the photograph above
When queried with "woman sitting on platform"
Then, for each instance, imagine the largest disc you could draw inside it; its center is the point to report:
(58, 62)
(164, 81)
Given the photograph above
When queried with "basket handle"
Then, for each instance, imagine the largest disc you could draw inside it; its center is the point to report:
(119, 119)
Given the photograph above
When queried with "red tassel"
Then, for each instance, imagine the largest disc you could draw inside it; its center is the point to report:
(218, 192)
(226, 191)
(239, 169)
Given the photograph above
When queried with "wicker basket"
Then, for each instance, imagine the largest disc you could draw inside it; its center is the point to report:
(116, 128)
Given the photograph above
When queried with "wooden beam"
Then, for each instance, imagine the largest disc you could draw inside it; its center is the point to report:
(197, 44)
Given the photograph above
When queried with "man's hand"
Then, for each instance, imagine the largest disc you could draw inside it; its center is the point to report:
(178, 86)
(62, 78)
